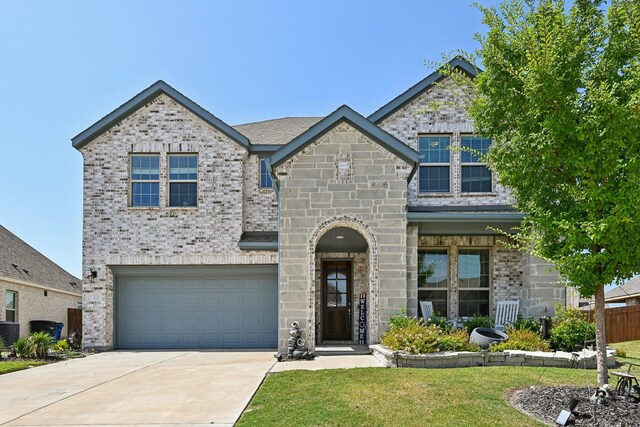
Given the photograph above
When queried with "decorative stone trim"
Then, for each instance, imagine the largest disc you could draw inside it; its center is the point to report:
(584, 359)
(370, 236)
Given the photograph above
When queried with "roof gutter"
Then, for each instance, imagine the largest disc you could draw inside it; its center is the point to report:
(35, 285)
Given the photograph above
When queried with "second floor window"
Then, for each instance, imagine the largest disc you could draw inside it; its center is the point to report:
(183, 180)
(434, 164)
(265, 177)
(474, 173)
(145, 180)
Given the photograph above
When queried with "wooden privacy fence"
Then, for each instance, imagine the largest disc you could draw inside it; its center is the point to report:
(621, 323)
(74, 320)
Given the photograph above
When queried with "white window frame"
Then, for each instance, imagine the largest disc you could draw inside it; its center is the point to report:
(132, 181)
(15, 306)
(182, 181)
(448, 165)
(462, 165)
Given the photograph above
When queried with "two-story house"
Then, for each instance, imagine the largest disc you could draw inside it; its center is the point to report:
(198, 234)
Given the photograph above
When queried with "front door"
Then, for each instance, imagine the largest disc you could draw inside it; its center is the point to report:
(336, 300)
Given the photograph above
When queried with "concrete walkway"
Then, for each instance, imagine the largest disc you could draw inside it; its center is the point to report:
(135, 388)
(329, 362)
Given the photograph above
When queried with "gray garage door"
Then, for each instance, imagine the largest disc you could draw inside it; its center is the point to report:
(199, 307)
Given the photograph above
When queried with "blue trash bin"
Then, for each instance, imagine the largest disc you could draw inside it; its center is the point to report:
(57, 331)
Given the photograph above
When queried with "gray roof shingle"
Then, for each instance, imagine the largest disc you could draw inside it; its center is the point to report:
(629, 289)
(276, 131)
(20, 261)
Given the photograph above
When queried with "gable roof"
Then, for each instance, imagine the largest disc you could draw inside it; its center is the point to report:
(19, 261)
(144, 97)
(276, 131)
(345, 114)
(630, 289)
(420, 87)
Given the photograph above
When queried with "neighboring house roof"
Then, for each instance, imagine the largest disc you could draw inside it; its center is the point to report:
(21, 262)
(630, 289)
(345, 114)
(420, 87)
(276, 131)
(143, 98)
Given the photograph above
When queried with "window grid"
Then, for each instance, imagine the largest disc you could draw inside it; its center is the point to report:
(473, 282)
(183, 180)
(265, 177)
(433, 279)
(435, 158)
(145, 180)
(475, 176)
(10, 299)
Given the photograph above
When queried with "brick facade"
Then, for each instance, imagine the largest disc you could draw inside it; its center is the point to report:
(342, 179)
(116, 234)
(32, 304)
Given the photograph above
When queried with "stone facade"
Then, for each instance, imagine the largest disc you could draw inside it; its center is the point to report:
(117, 234)
(312, 202)
(32, 304)
(418, 118)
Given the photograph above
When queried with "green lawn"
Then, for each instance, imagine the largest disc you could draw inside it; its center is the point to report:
(632, 348)
(11, 366)
(400, 397)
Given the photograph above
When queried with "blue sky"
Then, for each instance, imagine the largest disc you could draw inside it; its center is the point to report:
(64, 65)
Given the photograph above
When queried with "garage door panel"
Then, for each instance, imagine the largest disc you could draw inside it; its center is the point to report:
(187, 312)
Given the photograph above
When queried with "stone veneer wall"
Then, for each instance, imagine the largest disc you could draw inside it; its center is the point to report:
(260, 211)
(33, 305)
(116, 234)
(506, 267)
(418, 118)
(360, 284)
(543, 287)
(370, 198)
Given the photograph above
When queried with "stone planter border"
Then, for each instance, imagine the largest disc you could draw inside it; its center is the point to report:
(585, 359)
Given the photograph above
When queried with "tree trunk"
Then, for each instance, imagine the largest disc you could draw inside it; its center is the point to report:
(601, 342)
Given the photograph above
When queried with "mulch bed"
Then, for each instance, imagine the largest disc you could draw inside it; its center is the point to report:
(545, 404)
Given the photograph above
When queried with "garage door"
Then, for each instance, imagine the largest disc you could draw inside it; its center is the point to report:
(215, 307)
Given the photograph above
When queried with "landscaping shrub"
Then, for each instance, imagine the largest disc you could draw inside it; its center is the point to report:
(413, 337)
(521, 339)
(441, 323)
(457, 341)
(41, 342)
(478, 322)
(401, 319)
(620, 352)
(570, 329)
(528, 324)
(62, 345)
(3, 344)
(23, 347)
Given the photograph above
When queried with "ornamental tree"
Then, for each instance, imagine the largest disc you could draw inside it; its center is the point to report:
(560, 99)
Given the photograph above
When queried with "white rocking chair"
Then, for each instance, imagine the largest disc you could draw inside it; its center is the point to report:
(506, 314)
(427, 310)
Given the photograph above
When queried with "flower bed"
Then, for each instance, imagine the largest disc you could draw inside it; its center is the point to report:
(585, 359)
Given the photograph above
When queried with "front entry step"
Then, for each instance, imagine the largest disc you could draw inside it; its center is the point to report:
(341, 350)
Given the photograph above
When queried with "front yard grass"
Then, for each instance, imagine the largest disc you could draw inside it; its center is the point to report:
(401, 397)
(7, 366)
(631, 348)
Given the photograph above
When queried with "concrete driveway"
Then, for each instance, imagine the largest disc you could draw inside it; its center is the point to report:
(135, 388)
